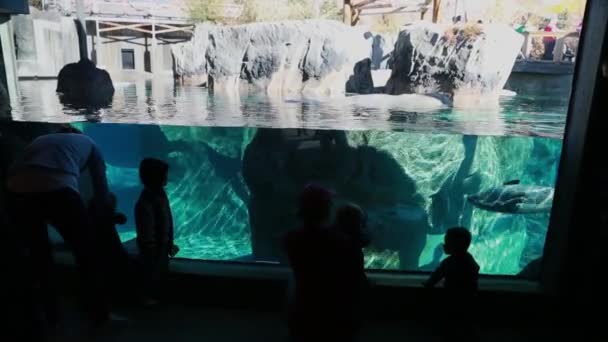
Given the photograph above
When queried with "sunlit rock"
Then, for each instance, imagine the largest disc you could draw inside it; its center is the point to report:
(469, 62)
(313, 57)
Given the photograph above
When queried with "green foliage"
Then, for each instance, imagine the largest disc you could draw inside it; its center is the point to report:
(563, 19)
(568, 6)
(263, 10)
(330, 11)
(387, 23)
(206, 10)
(535, 12)
(299, 10)
(273, 10)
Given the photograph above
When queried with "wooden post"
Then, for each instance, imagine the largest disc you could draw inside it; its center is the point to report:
(436, 10)
(347, 17)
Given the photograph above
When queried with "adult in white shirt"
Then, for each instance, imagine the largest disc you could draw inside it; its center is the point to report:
(43, 189)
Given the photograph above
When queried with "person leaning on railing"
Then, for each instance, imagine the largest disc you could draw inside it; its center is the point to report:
(43, 187)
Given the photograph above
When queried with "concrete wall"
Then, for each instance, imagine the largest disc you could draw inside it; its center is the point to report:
(45, 42)
(44, 45)
(107, 54)
(8, 69)
(558, 86)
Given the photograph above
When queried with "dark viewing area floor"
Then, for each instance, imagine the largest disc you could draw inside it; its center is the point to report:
(184, 323)
(210, 301)
(218, 303)
(273, 271)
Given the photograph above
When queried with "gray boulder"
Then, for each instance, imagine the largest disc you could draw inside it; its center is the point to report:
(402, 228)
(361, 82)
(313, 57)
(278, 163)
(469, 62)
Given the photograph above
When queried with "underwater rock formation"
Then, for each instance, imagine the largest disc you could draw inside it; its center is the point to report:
(402, 228)
(278, 163)
(470, 62)
(314, 57)
(412, 186)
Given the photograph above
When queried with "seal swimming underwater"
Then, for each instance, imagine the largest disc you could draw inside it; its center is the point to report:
(514, 198)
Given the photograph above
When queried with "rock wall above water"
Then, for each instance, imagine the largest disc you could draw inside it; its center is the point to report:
(314, 57)
(470, 62)
(44, 42)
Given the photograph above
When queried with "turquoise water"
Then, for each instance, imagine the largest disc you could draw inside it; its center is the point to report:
(209, 195)
(411, 170)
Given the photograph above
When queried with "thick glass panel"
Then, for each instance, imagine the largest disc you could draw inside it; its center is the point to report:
(425, 125)
(413, 186)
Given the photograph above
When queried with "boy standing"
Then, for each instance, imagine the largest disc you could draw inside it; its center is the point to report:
(460, 272)
(154, 225)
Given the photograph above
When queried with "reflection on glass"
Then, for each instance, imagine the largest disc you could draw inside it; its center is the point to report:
(233, 190)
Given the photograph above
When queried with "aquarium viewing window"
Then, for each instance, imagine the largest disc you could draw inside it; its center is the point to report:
(425, 124)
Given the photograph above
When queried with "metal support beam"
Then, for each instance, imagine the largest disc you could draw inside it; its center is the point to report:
(118, 27)
(153, 56)
(98, 44)
(142, 20)
(140, 28)
(130, 40)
